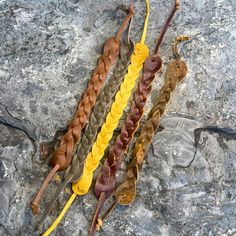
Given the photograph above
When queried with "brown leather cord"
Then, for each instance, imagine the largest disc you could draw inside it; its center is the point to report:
(106, 180)
(177, 6)
(62, 156)
(97, 116)
(102, 199)
(126, 192)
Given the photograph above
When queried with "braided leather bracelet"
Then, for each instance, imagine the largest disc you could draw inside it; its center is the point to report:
(121, 99)
(73, 172)
(126, 192)
(106, 180)
(62, 156)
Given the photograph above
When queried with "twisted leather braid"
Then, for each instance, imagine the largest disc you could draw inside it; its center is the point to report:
(126, 192)
(106, 180)
(62, 156)
(100, 111)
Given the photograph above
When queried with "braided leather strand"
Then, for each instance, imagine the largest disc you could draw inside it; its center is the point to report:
(99, 111)
(62, 156)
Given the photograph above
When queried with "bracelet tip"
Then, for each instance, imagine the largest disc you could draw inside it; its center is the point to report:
(34, 207)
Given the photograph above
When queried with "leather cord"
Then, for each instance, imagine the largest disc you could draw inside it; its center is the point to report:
(62, 156)
(106, 180)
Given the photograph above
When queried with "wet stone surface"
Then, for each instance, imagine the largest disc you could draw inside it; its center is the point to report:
(48, 51)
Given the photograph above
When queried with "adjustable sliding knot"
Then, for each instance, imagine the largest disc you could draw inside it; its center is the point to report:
(177, 4)
(35, 207)
(140, 54)
(151, 66)
(99, 224)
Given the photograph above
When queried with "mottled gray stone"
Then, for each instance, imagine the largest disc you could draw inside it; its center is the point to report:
(47, 54)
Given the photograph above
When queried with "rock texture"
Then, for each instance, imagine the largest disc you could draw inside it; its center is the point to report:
(48, 51)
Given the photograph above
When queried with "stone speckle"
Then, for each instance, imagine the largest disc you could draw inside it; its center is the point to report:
(47, 54)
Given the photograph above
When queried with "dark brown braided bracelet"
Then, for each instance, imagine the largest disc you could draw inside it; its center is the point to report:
(62, 156)
(97, 116)
(126, 192)
(106, 180)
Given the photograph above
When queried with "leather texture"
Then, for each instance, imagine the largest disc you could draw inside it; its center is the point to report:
(61, 158)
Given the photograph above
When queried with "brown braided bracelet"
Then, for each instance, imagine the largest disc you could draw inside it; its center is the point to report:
(126, 192)
(62, 156)
(73, 172)
(106, 180)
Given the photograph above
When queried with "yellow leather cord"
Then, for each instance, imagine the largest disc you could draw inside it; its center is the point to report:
(59, 218)
(82, 186)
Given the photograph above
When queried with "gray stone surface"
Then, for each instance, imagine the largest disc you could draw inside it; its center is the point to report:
(48, 51)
